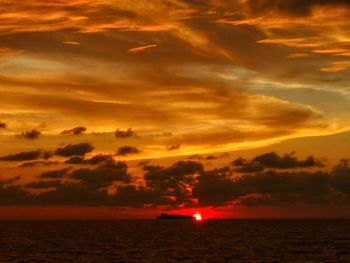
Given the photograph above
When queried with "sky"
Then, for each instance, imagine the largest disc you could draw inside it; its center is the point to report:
(125, 109)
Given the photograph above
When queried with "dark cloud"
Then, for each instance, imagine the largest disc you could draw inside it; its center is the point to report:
(211, 157)
(132, 196)
(341, 177)
(274, 188)
(173, 147)
(294, 7)
(160, 177)
(103, 175)
(173, 182)
(100, 158)
(341, 169)
(195, 156)
(251, 168)
(143, 163)
(75, 149)
(75, 160)
(38, 163)
(215, 187)
(3, 125)
(31, 135)
(239, 162)
(44, 184)
(225, 155)
(73, 194)
(75, 131)
(166, 134)
(13, 194)
(12, 180)
(27, 156)
(124, 133)
(183, 184)
(273, 160)
(125, 150)
(54, 174)
(94, 160)
(84, 187)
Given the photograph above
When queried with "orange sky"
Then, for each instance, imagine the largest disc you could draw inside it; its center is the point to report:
(143, 105)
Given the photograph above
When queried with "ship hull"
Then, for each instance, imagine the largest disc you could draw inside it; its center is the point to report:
(166, 216)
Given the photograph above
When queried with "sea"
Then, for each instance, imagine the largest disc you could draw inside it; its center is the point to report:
(175, 241)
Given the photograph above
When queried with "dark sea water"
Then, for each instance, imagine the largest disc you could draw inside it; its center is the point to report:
(175, 241)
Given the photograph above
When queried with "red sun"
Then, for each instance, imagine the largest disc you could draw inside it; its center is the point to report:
(197, 217)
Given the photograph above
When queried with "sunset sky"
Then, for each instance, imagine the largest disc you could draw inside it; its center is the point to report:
(119, 108)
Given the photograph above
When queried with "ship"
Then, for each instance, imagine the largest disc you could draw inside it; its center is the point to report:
(173, 216)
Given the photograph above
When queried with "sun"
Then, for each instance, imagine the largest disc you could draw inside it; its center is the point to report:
(197, 217)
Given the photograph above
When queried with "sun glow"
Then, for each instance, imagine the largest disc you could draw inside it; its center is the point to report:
(197, 217)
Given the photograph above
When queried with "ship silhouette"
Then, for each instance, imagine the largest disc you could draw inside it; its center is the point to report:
(173, 216)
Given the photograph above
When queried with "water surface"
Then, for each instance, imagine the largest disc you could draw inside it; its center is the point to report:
(175, 241)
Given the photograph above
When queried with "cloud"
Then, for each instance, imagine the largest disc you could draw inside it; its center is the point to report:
(75, 131)
(4, 51)
(342, 169)
(163, 178)
(211, 157)
(71, 42)
(54, 174)
(44, 184)
(175, 182)
(173, 147)
(12, 180)
(281, 23)
(336, 66)
(261, 117)
(70, 194)
(252, 167)
(103, 175)
(200, 69)
(215, 188)
(144, 163)
(195, 156)
(94, 160)
(90, 17)
(273, 160)
(273, 188)
(205, 81)
(38, 163)
(133, 196)
(125, 150)
(84, 187)
(75, 160)
(100, 158)
(2, 125)
(252, 110)
(75, 149)
(13, 194)
(293, 7)
(141, 49)
(182, 184)
(27, 156)
(30, 135)
(239, 162)
(124, 134)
